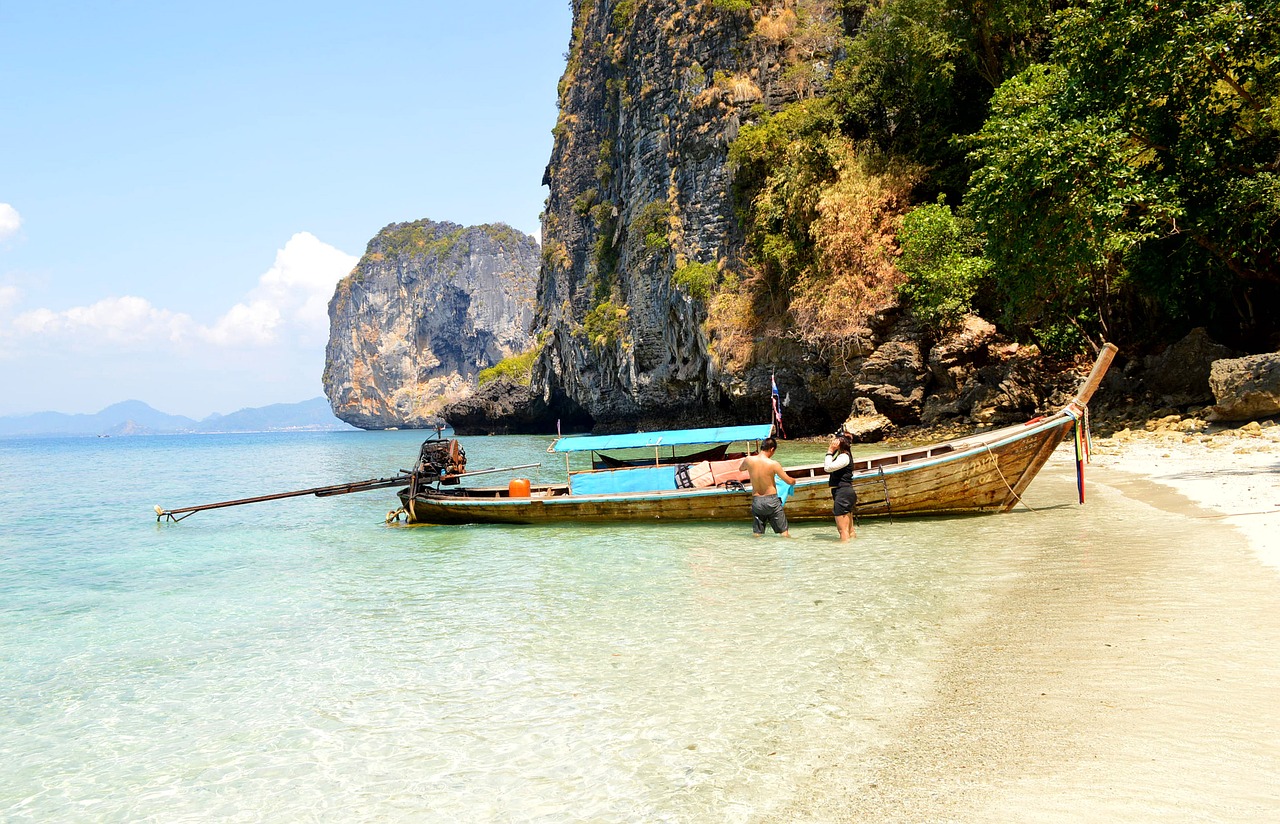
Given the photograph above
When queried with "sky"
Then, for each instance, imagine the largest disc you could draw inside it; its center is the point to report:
(183, 184)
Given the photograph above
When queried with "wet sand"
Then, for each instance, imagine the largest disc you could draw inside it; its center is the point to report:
(1140, 685)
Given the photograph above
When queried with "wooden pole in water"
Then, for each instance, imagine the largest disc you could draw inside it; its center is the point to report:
(322, 491)
(318, 491)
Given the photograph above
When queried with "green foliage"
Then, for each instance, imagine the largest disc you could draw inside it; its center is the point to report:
(1060, 202)
(604, 167)
(696, 279)
(1196, 89)
(1061, 339)
(421, 238)
(650, 223)
(602, 215)
(1141, 164)
(504, 235)
(780, 164)
(604, 325)
(943, 273)
(819, 214)
(604, 253)
(731, 6)
(517, 369)
(623, 14)
(555, 255)
(919, 72)
(582, 203)
(574, 57)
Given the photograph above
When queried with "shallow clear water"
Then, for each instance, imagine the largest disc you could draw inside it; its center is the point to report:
(301, 660)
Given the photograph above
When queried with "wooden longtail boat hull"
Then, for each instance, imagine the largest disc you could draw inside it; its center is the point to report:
(987, 472)
(977, 474)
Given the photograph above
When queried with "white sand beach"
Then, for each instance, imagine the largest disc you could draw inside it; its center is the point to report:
(1234, 472)
(1135, 686)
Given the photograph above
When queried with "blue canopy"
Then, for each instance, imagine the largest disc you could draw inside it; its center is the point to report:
(637, 479)
(675, 437)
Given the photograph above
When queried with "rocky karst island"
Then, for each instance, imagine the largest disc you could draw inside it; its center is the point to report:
(428, 307)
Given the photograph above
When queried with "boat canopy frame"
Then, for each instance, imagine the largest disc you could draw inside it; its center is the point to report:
(751, 434)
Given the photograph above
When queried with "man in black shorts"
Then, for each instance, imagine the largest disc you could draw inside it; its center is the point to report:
(766, 506)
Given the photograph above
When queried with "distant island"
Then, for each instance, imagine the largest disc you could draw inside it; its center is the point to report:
(138, 418)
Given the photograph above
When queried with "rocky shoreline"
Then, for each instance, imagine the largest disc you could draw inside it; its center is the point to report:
(971, 379)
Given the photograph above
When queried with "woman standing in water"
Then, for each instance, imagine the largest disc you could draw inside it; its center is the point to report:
(839, 466)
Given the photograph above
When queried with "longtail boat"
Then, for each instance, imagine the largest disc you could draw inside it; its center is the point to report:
(653, 476)
(984, 472)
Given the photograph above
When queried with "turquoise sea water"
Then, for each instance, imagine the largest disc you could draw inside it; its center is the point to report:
(301, 660)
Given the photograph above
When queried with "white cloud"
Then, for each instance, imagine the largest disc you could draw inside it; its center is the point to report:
(267, 347)
(10, 221)
(125, 320)
(293, 294)
(252, 324)
(287, 306)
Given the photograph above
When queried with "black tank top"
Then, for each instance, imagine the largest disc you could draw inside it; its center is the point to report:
(842, 476)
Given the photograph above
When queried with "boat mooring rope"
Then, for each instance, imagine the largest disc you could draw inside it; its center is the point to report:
(393, 516)
(996, 462)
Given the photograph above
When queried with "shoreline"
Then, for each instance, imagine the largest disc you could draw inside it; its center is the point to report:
(1232, 472)
(1130, 686)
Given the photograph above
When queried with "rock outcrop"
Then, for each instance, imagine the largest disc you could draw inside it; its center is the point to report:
(652, 96)
(954, 363)
(894, 376)
(1179, 375)
(970, 376)
(500, 407)
(1245, 388)
(427, 307)
(865, 424)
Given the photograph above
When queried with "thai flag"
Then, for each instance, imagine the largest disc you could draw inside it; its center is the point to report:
(777, 407)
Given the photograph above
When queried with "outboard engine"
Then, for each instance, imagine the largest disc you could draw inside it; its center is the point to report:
(440, 461)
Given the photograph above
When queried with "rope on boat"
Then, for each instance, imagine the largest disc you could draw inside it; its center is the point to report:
(1088, 437)
(884, 484)
(996, 462)
(393, 516)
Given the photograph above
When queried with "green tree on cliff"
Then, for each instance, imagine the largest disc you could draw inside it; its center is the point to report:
(1137, 176)
(819, 183)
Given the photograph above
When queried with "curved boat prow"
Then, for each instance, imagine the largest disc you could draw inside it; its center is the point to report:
(1099, 371)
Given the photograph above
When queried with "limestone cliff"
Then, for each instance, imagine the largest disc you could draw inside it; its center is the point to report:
(427, 307)
(640, 207)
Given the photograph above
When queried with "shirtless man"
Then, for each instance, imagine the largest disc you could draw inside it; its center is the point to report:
(766, 506)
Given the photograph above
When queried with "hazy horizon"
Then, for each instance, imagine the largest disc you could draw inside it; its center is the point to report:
(154, 408)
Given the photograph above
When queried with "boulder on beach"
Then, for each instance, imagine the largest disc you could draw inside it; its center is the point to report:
(1245, 388)
(1180, 374)
(865, 424)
